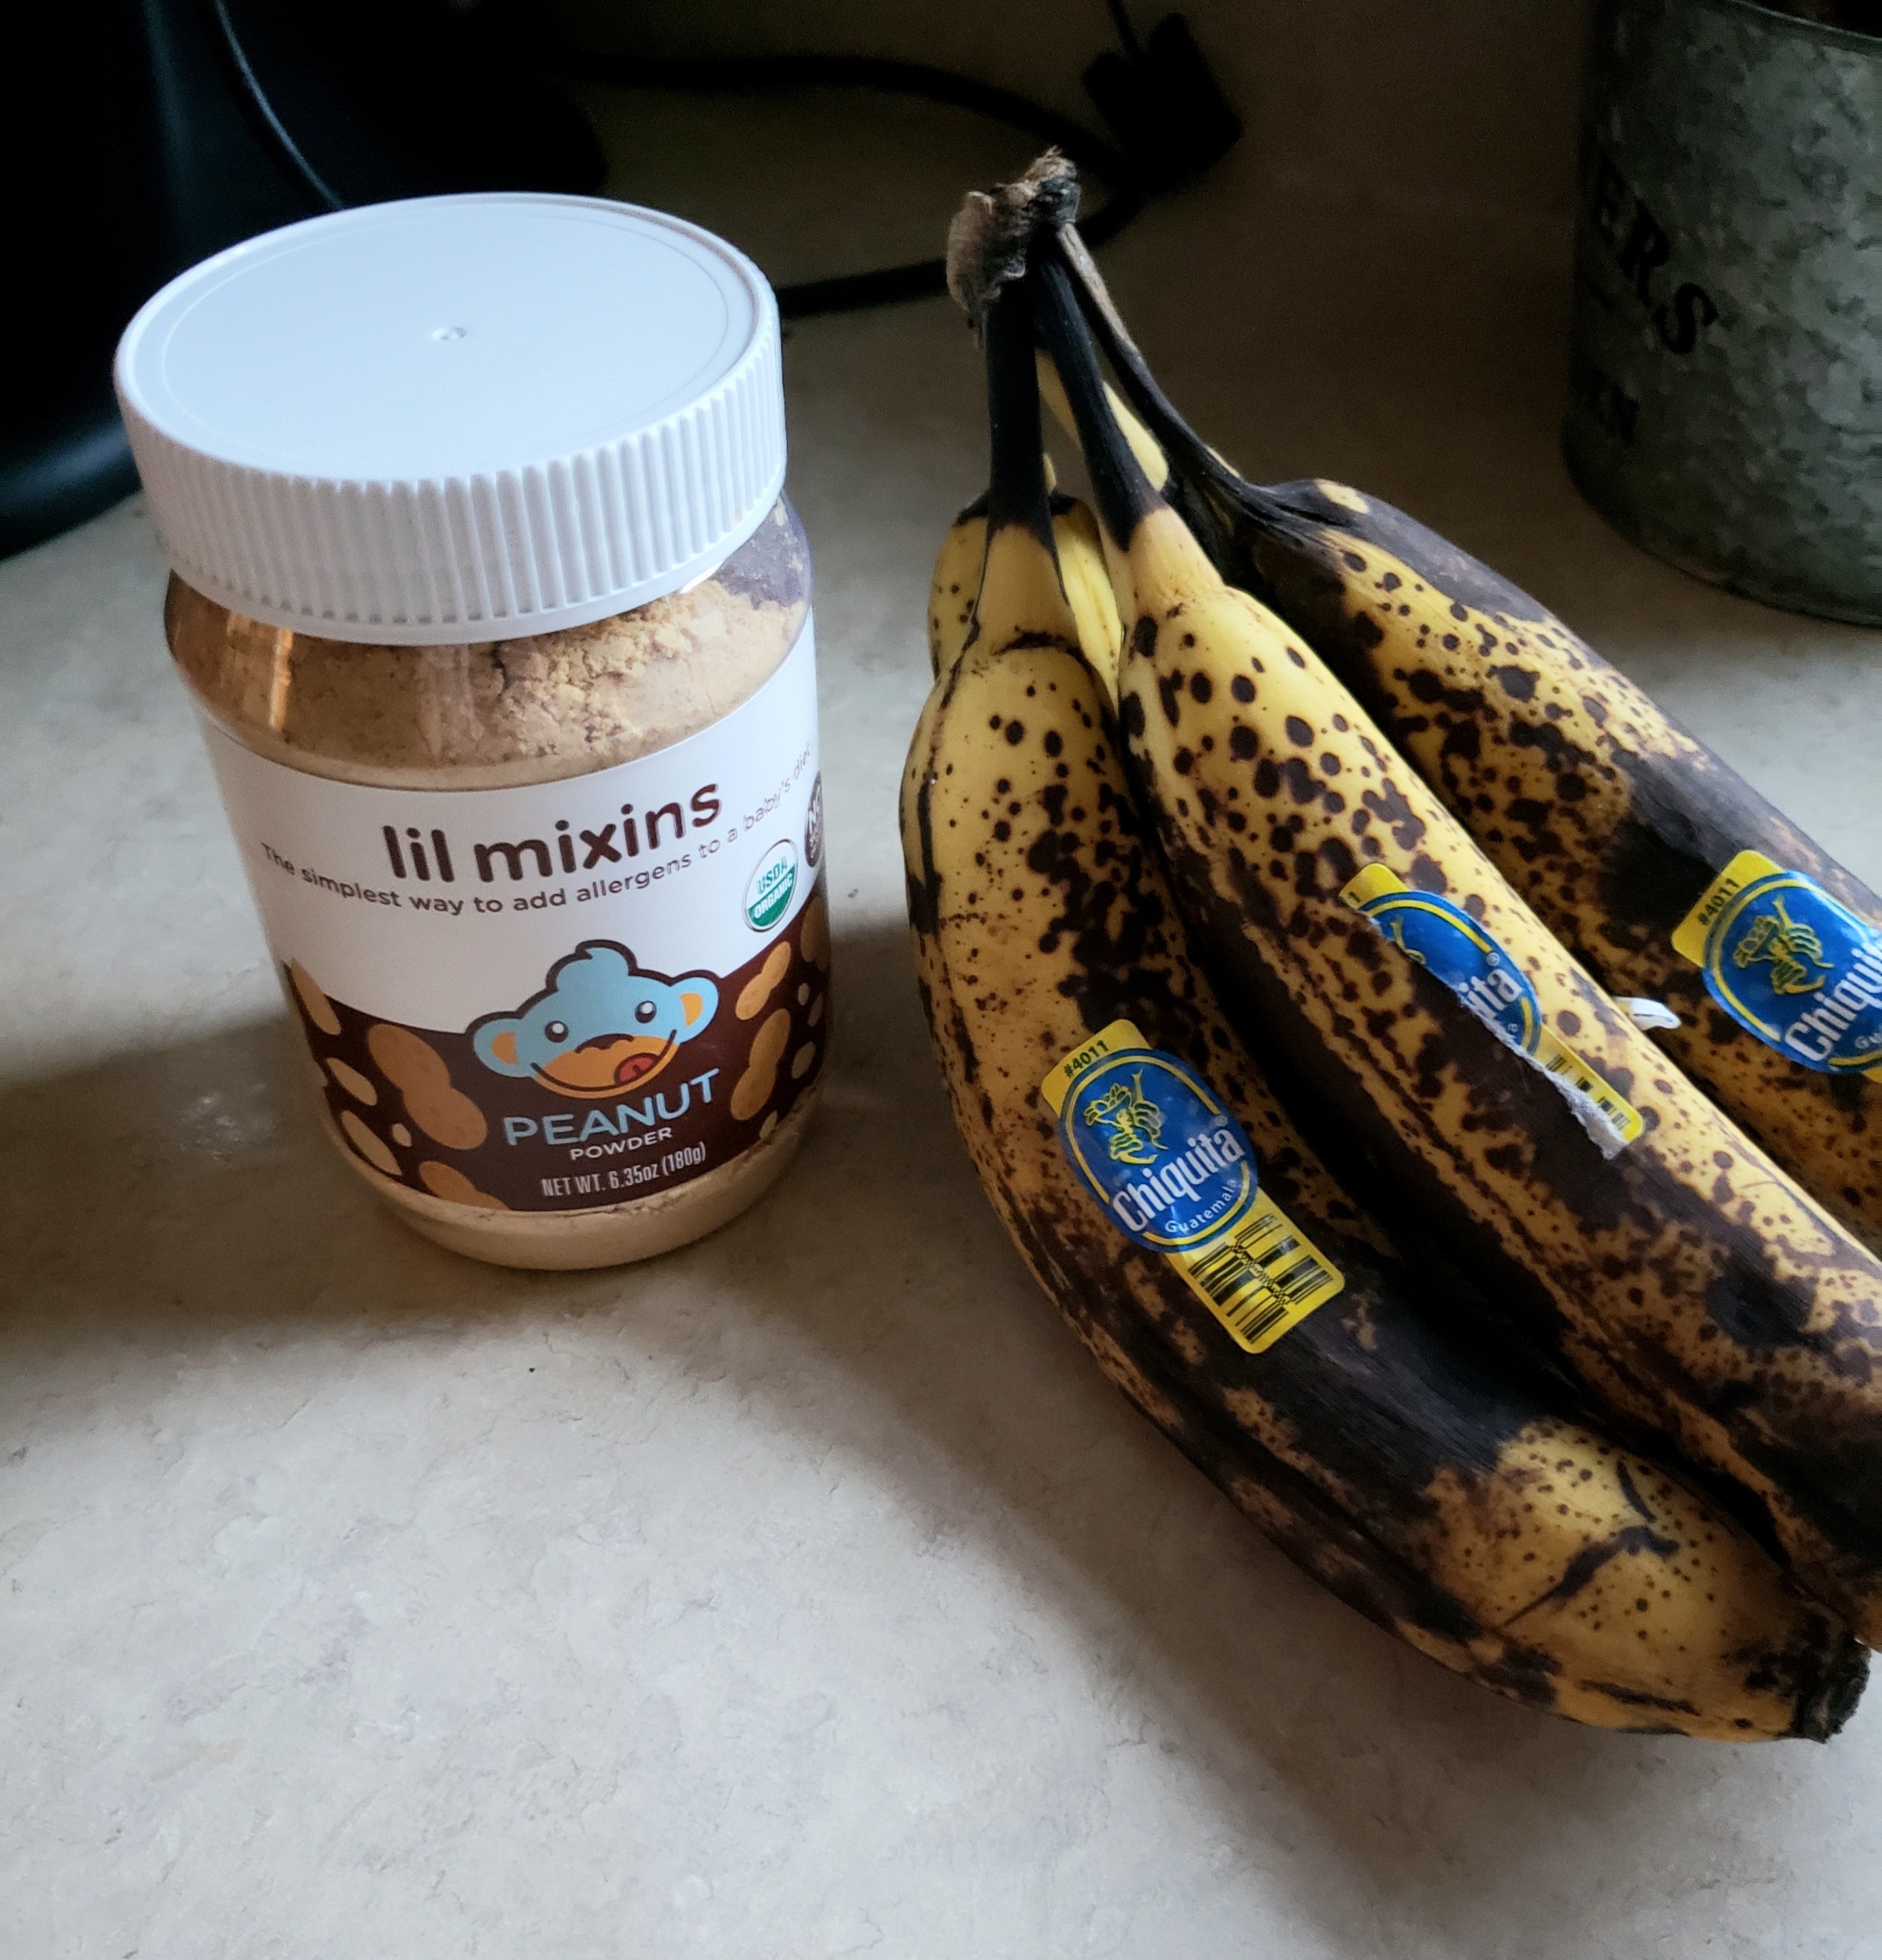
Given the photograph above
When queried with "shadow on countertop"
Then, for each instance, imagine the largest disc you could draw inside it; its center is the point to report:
(181, 1201)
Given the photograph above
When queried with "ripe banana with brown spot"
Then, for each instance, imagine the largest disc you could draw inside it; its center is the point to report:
(1596, 806)
(1686, 1283)
(1421, 1484)
(956, 582)
(956, 585)
(1080, 550)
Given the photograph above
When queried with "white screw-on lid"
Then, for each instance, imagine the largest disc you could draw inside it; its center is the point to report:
(457, 418)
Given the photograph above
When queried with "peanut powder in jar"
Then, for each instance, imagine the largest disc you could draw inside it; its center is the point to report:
(500, 628)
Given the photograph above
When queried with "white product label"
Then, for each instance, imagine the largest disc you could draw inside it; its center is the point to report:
(565, 995)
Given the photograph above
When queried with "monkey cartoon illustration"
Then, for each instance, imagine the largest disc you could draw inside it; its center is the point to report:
(1792, 950)
(1135, 1122)
(599, 1027)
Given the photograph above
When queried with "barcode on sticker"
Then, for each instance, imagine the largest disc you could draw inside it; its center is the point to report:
(1263, 1278)
(1559, 1060)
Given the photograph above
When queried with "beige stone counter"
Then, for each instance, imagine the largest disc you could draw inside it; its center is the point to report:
(804, 1592)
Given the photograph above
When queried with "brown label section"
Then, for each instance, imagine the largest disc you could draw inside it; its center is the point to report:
(612, 1082)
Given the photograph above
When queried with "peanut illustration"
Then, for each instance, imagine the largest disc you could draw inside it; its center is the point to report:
(370, 1147)
(754, 1086)
(416, 1069)
(758, 989)
(813, 936)
(444, 1180)
(361, 1088)
(319, 1008)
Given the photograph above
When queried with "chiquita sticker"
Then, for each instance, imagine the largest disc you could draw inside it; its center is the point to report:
(1443, 938)
(1781, 957)
(1154, 1145)
(1162, 1155)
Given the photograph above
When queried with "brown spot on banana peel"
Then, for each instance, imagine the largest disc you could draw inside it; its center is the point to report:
(1745, 1296)
(1616, 864)
(1352, 1463)
(1591, 1560)
(1398, 1593)
(1815, 1672)
(1789, 1419)
(1656, 1568)
(1406, 548)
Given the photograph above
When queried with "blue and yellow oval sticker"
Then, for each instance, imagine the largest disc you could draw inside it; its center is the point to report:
(1157, 1149)
(1155, 1145)
(1789, 963)
(1444, 938)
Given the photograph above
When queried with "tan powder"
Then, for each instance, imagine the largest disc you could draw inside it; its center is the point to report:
(488, 715)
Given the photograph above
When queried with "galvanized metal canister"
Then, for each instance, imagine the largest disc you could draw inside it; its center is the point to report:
(1725, 401)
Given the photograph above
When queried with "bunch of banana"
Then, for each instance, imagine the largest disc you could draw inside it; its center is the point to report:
(1615, 824)
(1441, 1495)
(1618, 1220)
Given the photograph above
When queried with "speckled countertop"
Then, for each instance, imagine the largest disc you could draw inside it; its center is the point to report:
(807, 1592)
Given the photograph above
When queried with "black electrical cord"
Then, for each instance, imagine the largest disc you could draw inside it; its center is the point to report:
(284, 144)
(741, 74)
(759, 75)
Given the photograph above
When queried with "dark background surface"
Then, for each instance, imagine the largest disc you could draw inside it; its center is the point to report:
(152, 133)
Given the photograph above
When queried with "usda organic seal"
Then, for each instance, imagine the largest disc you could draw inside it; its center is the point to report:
(767, 896)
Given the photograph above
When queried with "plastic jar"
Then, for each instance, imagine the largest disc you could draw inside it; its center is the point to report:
(500, 630)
